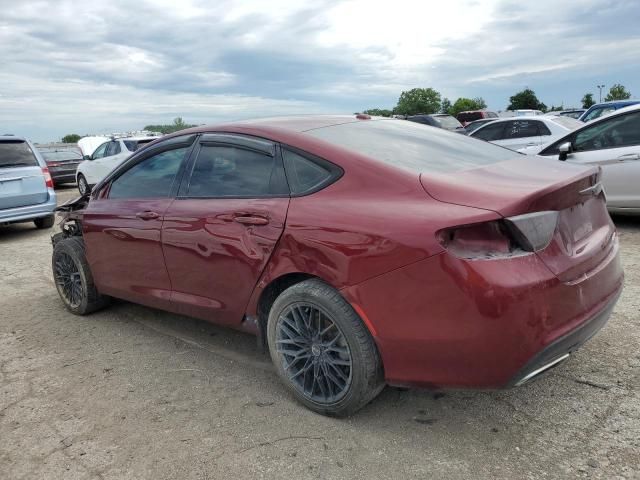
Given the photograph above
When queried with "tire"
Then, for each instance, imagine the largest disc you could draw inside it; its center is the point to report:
(73, 277)
(83, 185)
(45, 222)
(342, 367)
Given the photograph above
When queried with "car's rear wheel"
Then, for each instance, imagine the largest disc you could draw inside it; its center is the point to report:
(45, 222)
(322, 350)
(73, 277)
(83, 185)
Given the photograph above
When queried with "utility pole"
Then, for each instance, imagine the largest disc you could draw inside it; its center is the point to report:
(600, 87)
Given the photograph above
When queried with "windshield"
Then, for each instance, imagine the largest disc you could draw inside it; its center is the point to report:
(16, 154)
(448, 122)
(473, 126)
(568, 122)
(413, 147)
(597, 112)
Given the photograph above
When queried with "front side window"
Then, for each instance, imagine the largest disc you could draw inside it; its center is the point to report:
(620, 131)
(521, 129)
(153, 177)
(101, 151)
(230, 171)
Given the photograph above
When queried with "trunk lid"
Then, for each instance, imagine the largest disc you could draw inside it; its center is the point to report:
(584, 235)
(522, 185)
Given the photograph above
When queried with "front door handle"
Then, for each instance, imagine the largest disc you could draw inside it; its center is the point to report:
(629, 156)
(246, 219)
(147, 215)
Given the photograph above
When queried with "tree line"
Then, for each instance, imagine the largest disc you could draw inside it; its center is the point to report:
(429, 101)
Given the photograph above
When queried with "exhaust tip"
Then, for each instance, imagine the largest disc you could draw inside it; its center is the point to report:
(547, 366)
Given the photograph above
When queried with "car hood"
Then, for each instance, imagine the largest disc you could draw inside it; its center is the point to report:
(513, 187)
(532, 150)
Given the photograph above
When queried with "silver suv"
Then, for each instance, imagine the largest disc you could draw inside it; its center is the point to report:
(26, 187)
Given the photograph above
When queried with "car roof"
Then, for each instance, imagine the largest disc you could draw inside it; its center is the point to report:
(9, 137)
(616, 102)
(294, 123)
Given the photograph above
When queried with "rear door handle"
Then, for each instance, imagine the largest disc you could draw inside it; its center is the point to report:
(247, 219)
(147, 215)
(629, 156)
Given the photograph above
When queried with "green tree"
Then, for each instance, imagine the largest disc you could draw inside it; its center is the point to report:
(588, 100)
(178, 124)
(378, 112)
(71, 138)
(445, 107)
(526, 99)
(464, 104)
(617, 92)
(418, 100)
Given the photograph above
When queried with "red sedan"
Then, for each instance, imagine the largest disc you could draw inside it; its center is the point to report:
(361, 251)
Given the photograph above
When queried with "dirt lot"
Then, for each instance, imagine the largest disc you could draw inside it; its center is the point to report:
(131, 392)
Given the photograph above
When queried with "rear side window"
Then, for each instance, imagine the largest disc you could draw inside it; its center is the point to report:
(411, 146)
(153, 177)
(16, 154)
(230, 171)
(113, 149)
(304, 175)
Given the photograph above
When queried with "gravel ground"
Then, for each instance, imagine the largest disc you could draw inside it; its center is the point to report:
(132, 392)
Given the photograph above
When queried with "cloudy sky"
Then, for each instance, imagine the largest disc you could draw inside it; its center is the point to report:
(102, 66)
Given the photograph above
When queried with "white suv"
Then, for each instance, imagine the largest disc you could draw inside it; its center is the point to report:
(105, 158)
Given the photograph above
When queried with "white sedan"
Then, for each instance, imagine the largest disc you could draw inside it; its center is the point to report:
(519, 132)
(105, 158)
(611, 142)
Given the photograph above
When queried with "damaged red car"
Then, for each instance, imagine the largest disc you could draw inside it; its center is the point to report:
(362, 252)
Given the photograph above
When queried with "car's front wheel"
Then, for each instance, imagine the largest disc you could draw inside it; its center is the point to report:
(322, 350)
(83, 185)
(73, 277)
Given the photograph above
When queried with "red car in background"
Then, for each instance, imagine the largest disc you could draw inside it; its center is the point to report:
(362, 252)
(472, 115)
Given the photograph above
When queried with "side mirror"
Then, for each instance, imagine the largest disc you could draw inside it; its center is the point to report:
(87, 157)
(565, 149)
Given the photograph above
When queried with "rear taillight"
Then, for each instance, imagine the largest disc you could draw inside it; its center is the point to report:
(508, 237)
(47, 177)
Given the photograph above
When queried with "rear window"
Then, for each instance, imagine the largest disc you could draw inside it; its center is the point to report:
(16, 154)
(412, 146)
(469, 116)
(59, 155)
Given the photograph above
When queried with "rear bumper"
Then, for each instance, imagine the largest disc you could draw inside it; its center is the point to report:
(63, 177)
(449, 322)
(560, 349)
(29, 212)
